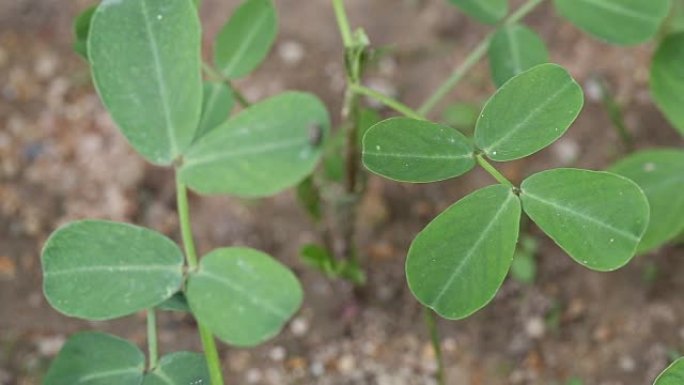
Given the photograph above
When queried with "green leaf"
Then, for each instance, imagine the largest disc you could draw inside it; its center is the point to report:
(319, 258)
(333, 156)
(623, 22)
(177, 302)
(660, 174)
(100, 270)
(462, 116)
(368, 117)
(309, 196)
(91, 358)
(145, 59)
(217, 103)
(243, 295)
(265, 149)
(524, 267)
(667, 79)
(458, 262)
(409, 150)
(485, 11)
(515, 49)
(81, 31)
(598, 218)
(673, 375)
(528, 113)
(180, 368)
(243, 43)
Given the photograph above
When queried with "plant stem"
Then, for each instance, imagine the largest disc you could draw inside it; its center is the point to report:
(214, 74)
(343, 23)
(431, 324)
(152, 339)
(208, 343)
(386, 100)
(615, 114)
(473, 58)
(493, 171)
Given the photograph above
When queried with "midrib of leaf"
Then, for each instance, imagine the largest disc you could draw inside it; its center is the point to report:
(483, 235)
(617, 8)
(245, 43)
(162, 376)
(111, 269)
(583, 216)
(281, 145)
(108, 373)
(515, 55)
(159, 74)
(270, 308)
(664, 183)
(417, 156)
(533, 114)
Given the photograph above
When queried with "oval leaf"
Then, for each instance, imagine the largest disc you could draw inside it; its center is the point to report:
(622, 22)
(667, 79)
(598, 218)
(216, 105)
(265, 149)
(100, 270)
(416, 151)
(660, 174)
(458, 262)
(81, 31)
(181, 368)
(145, 59)
(485, 11)
(528, 113)
(243, 295)
(514, 49)
(91, 358)
(673, 375)
(243, 43)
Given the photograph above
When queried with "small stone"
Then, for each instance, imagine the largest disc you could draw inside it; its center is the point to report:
(346, 364)
(627, 364)
(299, 326)
(535, 327)
(50, 346)
(253, 376)
(291, 52)
(277, 354)
(567, 151)
(317, 369)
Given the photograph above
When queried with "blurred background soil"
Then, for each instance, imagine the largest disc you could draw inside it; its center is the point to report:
(61, 159)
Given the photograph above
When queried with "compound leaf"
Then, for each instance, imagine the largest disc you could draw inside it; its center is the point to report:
(180, 368)
(458, 262)
(100, 270)
(514, 49)
(92, 358)
(409, 150)
(485, 11)
(243, 295)
(598, 218)
(145, 60)
(623, 22)
(673, 375)
(265, 149)
(217, 103)
(528, 113)
(243, 43)
(660, 174)
(667, 79)
(82, 30)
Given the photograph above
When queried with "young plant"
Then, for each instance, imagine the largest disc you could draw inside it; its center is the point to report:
(145, 58)
(457, 263)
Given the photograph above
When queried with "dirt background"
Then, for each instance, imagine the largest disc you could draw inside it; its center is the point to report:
(61, 158)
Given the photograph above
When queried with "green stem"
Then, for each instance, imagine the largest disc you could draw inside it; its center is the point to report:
(152, 338)
(431, 324)
(208, 343)
(215, 75)
(386, 100)
(472, 59)
(493, 171)
(343, 23)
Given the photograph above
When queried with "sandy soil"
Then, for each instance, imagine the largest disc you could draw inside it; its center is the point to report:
(61, 159)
